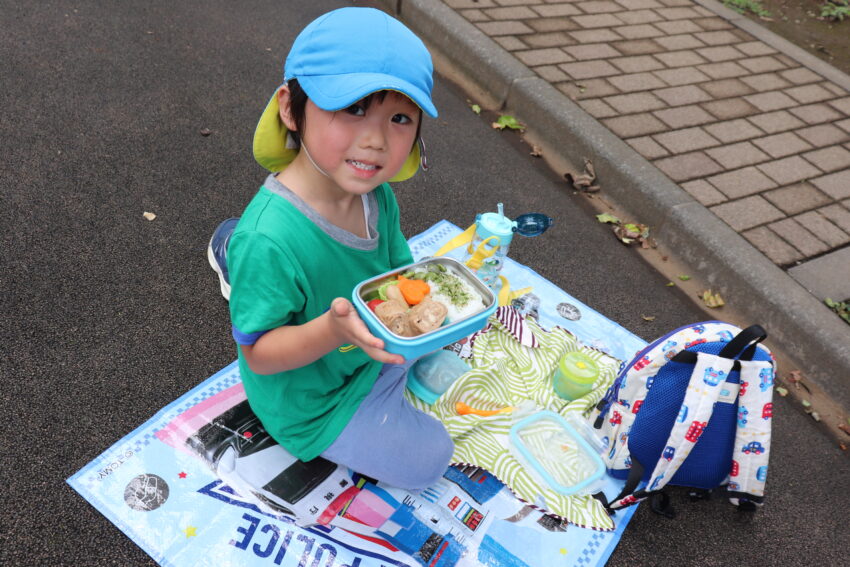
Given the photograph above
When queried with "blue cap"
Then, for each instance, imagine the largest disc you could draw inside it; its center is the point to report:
(349, 53)
(340, 58)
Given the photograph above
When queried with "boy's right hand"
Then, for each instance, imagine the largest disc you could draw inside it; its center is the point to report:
(351, 329)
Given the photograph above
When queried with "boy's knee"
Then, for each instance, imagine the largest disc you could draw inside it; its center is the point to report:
(433, 460)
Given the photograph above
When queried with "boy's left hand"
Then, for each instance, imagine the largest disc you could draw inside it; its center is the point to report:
(350, 328)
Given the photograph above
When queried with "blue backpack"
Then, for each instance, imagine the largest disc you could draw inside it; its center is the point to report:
(691, 409)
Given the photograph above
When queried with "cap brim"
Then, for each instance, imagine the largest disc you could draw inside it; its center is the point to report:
(271, 152)
(335, 92)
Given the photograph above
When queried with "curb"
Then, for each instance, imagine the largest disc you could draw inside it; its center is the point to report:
(808, 331)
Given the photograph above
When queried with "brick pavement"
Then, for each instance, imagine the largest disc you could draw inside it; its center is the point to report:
(758, 138)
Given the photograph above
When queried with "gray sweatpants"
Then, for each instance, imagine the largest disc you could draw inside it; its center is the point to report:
(390, 440)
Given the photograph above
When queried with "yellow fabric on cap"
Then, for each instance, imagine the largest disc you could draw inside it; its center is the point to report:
(271, 152)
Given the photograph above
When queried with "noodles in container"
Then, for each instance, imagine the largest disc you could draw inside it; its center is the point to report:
(422, 307)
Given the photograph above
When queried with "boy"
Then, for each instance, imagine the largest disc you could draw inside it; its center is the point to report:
(345, 121)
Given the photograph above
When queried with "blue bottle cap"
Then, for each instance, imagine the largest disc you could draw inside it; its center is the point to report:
(533, 224)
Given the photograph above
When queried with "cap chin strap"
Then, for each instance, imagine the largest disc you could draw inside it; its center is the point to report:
(309, 157)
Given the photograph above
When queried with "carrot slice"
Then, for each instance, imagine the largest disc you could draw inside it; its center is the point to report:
(414, 291)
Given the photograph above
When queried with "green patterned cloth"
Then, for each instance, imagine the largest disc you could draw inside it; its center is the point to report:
(506, 373)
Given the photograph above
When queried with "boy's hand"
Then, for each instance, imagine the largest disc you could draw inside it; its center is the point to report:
(350, 328)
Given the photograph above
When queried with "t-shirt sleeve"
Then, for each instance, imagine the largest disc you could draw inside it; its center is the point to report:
(398, 248)
(265, 287)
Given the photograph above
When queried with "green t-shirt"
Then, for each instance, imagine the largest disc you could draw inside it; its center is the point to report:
(286, 265)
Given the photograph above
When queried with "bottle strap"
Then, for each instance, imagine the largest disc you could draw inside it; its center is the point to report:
(505, 294)
(463, 238)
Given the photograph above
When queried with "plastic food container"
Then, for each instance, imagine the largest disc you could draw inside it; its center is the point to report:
(575, 375)
(433, 374)
(557, 454)
(414, 347)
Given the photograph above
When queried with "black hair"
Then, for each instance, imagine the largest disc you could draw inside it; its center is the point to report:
(298, 104)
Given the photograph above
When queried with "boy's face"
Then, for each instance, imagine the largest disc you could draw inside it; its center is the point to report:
(361, 147)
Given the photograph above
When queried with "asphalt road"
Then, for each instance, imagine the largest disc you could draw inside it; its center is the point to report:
(108, 317)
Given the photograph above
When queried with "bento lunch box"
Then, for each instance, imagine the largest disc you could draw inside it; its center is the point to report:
(557, 454)
(414, 347)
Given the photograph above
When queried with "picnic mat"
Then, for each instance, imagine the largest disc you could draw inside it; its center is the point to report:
(157, 485)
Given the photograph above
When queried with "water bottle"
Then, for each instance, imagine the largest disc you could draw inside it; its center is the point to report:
(489, 274)
(492, 240)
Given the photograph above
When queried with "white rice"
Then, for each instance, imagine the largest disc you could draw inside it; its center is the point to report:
(457, 312)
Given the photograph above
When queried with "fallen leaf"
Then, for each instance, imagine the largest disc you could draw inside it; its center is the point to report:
(584, 181)
(841, 308)
(507, 121)
(842, 446)
(794, 377)
(648, 317)
(684, 278)
(806, 404)
(476, 109)
(205, 131)
(631, 232)
(149, 216)
(844, 428)
(815, 415)
(536, 151)
(781, 391)
(670, 284)
(607, 217)
(648, 243)
(632, 228)
(712, 300)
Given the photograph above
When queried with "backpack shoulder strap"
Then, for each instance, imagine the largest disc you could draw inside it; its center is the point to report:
(752, 436)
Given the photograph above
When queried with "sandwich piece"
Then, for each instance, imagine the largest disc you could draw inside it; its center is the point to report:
(393, 314)
(427, 316)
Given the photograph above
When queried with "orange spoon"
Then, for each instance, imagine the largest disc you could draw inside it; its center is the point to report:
(463, 409)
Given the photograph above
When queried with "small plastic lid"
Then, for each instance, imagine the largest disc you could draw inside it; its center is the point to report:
(533, 224)
(578, 368)
(430, 376)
